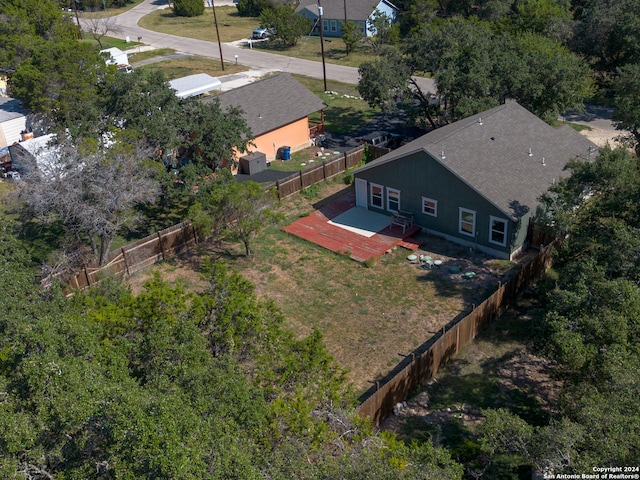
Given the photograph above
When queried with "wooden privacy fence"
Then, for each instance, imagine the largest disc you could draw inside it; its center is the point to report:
(318, 173)
(423, 364)
(135, 256)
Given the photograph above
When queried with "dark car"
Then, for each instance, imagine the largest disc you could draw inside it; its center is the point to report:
(382, 139)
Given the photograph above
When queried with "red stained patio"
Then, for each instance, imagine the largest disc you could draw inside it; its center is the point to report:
(317, 229)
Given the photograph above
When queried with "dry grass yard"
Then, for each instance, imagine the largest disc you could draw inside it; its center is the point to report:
(369, 314)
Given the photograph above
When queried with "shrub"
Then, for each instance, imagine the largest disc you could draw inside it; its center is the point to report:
(188, 8)
(252, 8)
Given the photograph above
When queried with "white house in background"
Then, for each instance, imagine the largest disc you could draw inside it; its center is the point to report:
(195, 85)
(116, 57)
(13, 121)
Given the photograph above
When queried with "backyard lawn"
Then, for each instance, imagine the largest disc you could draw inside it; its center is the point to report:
(369, 314)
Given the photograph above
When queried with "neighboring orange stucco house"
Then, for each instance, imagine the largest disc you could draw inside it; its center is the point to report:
(276, 110)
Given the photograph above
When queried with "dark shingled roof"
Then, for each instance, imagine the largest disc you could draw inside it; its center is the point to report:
(11, 108)
(357, 10)
(270, 103)
(490, 153)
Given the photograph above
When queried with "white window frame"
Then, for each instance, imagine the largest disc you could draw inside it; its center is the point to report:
(493, 219)
(325, 25)
(391, 191)
(372, 196)
(435, 206)
(461, 211)
(334, 26)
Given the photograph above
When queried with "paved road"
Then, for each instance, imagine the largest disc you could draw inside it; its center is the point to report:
(128, 24)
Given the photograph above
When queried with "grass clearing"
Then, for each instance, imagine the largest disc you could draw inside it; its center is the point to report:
(345, 111)
(308, 48)
(110, 42)
(231, 26)
(367, 313)
(109, 12)
(181, 67)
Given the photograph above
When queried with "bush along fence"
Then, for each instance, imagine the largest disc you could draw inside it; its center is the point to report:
(134, 257)
(422, 365)
(318, 173)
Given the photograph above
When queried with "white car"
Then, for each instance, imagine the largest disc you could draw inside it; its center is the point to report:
(261, 33)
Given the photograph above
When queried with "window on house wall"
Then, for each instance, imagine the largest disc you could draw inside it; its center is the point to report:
(467, 223)
(393, 199)
(497, 231)
(430, 206)
(334, 26)
(325, 25)
(364, 27)
(376, 195)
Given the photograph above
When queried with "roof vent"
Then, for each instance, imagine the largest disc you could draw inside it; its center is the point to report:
(480, 121)
(530, 154)
(543, 164)
(260, 115)
(442, 155)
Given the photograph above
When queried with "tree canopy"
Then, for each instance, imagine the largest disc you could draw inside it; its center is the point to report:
(170, 384)
(475, 69)
(285, 24)
(590, 325)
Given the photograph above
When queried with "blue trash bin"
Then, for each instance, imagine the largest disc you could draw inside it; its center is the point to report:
(286, 153)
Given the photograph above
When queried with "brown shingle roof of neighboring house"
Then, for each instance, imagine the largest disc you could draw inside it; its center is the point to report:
(490, 153)
(270, 103)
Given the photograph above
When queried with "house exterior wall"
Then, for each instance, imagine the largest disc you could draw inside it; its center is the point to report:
(384, 8)
(418, 177)
(333, 26)
(294, 135)
(11, 131)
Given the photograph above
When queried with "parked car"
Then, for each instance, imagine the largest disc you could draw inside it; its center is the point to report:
(261, 33)
(382, 139)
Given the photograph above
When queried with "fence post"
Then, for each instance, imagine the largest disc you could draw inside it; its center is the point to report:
(195, 232)
(301, 180)
(126, 264)
(86, 275)
(324, 169)
(457, 337)
(161, 247)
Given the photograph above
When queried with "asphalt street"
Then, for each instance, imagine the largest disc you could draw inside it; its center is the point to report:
(262, 62)
(127, 23)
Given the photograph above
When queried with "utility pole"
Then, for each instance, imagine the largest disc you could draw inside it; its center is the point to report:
(215, 20)
(75, 11)
(345, 13)
(324, 68)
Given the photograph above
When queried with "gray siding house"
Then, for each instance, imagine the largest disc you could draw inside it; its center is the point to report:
(359, 11)
(476, 182)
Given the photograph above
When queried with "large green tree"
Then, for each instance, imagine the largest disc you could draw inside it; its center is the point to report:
(475, 69)
(228, 209)
(286, 25)
(626, 100)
